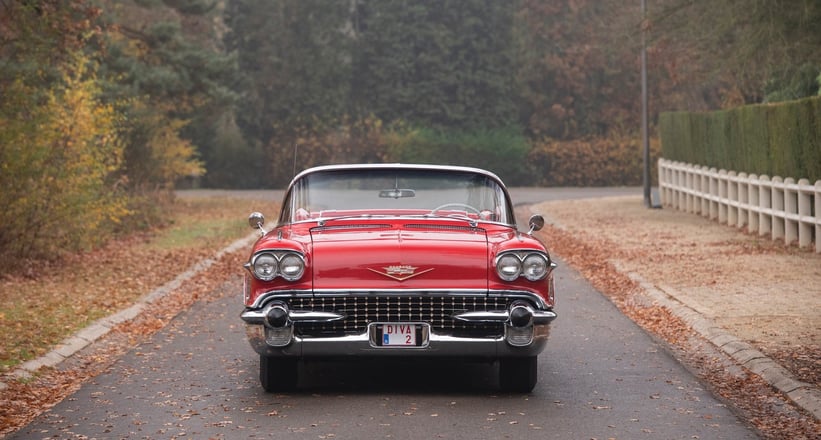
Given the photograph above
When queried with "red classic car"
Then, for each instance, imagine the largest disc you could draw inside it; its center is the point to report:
(398, 260)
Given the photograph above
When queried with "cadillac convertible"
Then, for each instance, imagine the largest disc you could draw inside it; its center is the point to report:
(397, 261)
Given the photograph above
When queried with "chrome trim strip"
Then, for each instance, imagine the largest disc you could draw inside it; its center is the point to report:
(539, 316)
(397, 166)
(522, 294)
(318, 228)
(413, 292)
(310, 316)
(274, 294)
(258, 316)
(483, 316)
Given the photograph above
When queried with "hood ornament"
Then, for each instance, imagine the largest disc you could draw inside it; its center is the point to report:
(400, 272)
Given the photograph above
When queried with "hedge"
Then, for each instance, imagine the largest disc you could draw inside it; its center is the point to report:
(781, 139)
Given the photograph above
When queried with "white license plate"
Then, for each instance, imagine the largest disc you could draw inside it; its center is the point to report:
(399, 335)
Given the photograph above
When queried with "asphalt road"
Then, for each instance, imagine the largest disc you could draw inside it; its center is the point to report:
(601, 377)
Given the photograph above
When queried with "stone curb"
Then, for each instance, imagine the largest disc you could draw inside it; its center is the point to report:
(805, 395)
(96, 330)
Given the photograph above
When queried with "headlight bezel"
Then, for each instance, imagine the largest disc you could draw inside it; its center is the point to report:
(512, 265)
(294, 260)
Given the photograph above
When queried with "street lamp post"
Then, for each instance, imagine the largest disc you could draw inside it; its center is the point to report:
(644, 135)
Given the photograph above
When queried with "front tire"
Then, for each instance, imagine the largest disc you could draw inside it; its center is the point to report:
(518, 375)
(276, 374)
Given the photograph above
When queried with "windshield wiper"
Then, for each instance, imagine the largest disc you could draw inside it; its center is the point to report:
(472, 222)
(322, 221)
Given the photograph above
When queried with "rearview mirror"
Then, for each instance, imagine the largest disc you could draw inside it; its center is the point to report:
(396, 193)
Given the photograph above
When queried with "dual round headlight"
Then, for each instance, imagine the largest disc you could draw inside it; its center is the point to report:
(265, 266)
(533, 266)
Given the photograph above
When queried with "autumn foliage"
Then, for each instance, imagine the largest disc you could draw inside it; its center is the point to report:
(58, 161)
(592, 161)
(69, 174)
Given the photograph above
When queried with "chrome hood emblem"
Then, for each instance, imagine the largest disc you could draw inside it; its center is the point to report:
(400, 272)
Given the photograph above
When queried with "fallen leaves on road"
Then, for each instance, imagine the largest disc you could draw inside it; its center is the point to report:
(771, 413)
(23, 400)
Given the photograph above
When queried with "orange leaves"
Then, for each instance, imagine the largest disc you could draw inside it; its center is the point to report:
(590, 161)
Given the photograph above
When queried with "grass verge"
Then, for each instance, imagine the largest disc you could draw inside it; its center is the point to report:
(44, 304)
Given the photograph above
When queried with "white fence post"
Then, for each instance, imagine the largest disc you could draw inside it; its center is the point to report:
(743, 207)
(713, 194)
(704, 192)
(777, 208)
(805, 219)
(765, 200)
(780, 208)
(790, 211)
(732, 199)
(752, 213)
(818, 216)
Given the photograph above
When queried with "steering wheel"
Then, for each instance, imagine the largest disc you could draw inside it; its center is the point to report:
(456, 205)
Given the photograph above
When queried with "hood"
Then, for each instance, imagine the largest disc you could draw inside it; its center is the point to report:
(417, 257)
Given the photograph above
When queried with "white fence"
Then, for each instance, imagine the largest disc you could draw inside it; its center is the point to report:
(778, 207)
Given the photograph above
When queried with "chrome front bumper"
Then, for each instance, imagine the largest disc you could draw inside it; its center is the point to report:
(360, 345)
(285, 343)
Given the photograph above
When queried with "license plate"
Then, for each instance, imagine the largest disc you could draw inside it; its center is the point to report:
(399, 334)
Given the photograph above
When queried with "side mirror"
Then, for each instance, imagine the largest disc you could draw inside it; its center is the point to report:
(256, 220)
(535, 223)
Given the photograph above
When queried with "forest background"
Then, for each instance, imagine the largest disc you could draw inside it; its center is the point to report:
(108, 105)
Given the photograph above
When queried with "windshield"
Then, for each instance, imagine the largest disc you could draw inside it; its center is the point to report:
(395, 192)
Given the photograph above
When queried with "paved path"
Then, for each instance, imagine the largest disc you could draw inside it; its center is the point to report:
(748, 296)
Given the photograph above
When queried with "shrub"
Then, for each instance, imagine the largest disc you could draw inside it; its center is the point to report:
(59, 156)
(591, 162)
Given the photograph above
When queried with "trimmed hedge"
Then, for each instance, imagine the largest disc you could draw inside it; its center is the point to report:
(774, 139)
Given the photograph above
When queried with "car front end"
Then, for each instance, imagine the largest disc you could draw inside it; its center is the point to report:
(379, 261)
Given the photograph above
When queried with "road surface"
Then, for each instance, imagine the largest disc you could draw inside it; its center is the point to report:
(600, 377)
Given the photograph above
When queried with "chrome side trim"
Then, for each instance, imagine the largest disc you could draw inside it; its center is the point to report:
(258, 316)
(483, 316)
(310, 316)
(539, 316)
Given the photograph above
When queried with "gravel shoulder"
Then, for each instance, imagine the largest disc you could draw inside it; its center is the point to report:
(759, 291)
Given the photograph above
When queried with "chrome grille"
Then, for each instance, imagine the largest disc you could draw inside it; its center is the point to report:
(435, 310)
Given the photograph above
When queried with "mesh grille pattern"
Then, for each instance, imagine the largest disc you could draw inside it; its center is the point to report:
(362, 310)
